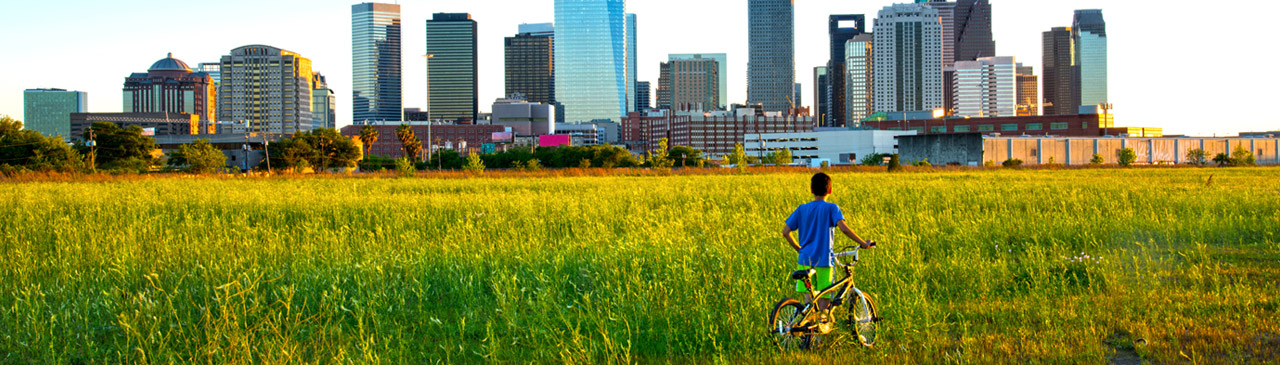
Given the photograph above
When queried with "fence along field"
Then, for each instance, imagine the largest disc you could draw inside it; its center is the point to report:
(1081, 265)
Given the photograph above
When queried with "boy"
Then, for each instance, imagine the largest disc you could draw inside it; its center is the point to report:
(815, 220)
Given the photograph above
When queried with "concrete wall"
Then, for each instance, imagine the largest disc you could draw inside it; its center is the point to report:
(942, 149)
(1079, 151)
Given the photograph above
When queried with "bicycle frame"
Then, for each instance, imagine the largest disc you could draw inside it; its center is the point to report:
(843, 285)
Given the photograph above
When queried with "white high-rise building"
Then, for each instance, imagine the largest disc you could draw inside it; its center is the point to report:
(908, 59)
(987, 87)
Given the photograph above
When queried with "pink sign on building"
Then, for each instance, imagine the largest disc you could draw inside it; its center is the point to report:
(554, 140)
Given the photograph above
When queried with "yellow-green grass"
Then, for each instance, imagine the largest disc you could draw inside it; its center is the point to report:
(973, 266)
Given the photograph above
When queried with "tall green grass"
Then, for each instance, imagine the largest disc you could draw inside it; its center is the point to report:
(1047, 266)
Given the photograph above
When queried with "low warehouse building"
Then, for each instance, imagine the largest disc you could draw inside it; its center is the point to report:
(977, 149)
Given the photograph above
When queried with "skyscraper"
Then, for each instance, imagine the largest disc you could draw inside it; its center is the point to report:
(452, 77)
(722, 60)
(1060, 93)
(859, 78)
(689, 82)
(267, 87)
(323, 103)
(771, 74)
(169, 86)
(1089, 35)
(986, 87)
(48, 111)
(908, 59)
(841, 28)
(530, 63)
(632, 57)
(797, 96)
(1028, 92)
(821, 89)
(377, 90)
(972, 30)
(642, 96)
(591, 59)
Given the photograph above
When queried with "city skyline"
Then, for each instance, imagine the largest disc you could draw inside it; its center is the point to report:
(1134, 56)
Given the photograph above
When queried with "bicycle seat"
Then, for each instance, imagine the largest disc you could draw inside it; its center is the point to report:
(802, 274)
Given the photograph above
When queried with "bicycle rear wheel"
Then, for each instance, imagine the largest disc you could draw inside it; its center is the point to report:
(863, 319)
(786, 315)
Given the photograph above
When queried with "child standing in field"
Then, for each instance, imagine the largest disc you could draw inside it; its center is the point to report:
(815, 221)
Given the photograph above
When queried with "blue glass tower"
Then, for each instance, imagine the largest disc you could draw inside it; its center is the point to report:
(375, 62)
(631, 62)
(1089, 33)
(591, 59)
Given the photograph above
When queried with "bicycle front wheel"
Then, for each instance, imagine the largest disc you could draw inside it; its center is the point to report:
(862, 317)
(786, 316)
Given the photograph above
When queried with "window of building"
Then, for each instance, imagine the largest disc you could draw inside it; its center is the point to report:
(1008, 127)
(1058, 126)
(986, 127)
(1084, 125)
(960, 128)
(1035, 126)
(938, 129)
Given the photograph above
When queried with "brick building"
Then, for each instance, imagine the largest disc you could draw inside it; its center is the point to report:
(715, 133)
(162, 124)
(445, 136)
(1081, 125)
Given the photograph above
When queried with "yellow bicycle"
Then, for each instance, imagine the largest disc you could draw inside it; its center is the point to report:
(794, 324)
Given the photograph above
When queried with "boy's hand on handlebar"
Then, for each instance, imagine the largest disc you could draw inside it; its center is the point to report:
(867, 244)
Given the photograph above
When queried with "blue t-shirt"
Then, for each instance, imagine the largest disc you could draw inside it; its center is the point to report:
(815, 221)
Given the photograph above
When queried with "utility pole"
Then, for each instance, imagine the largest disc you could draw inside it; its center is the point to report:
(246, 148)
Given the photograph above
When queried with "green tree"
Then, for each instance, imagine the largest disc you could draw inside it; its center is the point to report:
(368, 136)
(1096, 160)
(738, 157)
(658, 158)
(409, 142)
(405, 167)
(584, 163)
(780, 157)
(22, 149)
(894, 164)
(1222, 159)
(1197, 157)
(118, 148)
(533, 165)
(923, 163)
(474, 164)
(320, 149)
(1127, 156)
(198, 157)
(1242, 157)
(686, 156)
(1012, 163)
(875, 159)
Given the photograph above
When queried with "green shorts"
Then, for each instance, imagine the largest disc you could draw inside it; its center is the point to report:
(821, 280)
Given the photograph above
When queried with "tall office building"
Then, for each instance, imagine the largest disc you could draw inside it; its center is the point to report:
(169, 86)
(591, 59)
(48, 111)
(642, 96)
(722, 60)
(1060, 95)
(213, 69)
(859, 71)
(530, 63)
(797, 98)
(452, 77)
(972, 30)
(987, 87)
(771, 65)
(1028, 92)
(821, 88)
(266, 87)
(841, 28)
(692, 82)
(377, 90)
(324, 103)
(908, 59)
(1089, 35)
(632, 57)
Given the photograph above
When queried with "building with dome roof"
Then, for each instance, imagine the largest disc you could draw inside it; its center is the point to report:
(170, 86)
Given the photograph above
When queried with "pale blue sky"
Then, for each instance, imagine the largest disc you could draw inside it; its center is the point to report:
(1189, 67)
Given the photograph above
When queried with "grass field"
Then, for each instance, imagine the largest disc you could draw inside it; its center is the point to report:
(1164, 265)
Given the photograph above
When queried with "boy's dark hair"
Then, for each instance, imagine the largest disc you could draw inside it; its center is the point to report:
(821, 184)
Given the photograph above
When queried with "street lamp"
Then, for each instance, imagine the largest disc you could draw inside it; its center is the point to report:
(430, 151)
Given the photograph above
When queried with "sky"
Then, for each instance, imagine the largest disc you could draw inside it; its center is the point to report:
(1188, 67)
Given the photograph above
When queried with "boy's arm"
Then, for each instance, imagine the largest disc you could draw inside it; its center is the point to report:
(853, 236)
(786, 233)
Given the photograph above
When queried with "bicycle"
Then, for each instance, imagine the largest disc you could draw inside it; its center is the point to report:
(794, 324)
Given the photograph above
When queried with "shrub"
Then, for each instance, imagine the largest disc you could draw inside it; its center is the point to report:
(923, 163)
(1197, 157)
(584, 163)
(1012, 163)
(533, 165)
(474, 164)
(894, 164)
(1127, 156)
(1242, 157)
(1097, 160)
(405, 167)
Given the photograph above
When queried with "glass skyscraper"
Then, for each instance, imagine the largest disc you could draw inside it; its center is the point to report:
(841, 28)
(375, 62)
(452, 80)
(771, 42)
(48, 111)
(1089, 34)
(591, 59)
(1060, 93)
(631, 62)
